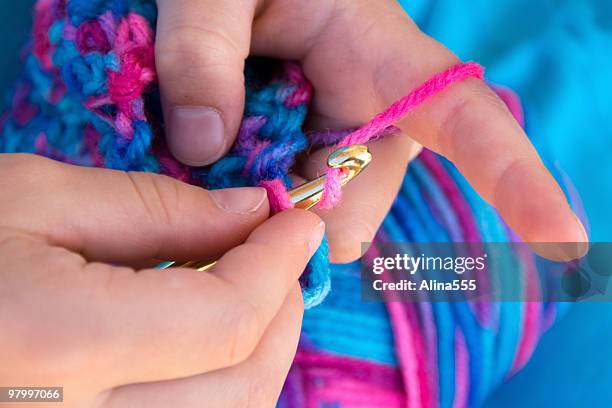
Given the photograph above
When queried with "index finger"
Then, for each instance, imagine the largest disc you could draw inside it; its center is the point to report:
(473, 128)
(467, 122)
(470, 125)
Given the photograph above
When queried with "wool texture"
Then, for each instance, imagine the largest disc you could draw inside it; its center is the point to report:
(89, 96)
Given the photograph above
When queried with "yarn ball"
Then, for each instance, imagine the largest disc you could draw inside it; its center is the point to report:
(89, 96)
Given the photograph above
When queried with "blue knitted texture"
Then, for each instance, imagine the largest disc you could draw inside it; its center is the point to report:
(89, 96)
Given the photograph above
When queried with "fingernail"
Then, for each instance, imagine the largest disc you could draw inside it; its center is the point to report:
(242, 200)
(585, 236)
(582, 246)
(316, 237)
(196, 134)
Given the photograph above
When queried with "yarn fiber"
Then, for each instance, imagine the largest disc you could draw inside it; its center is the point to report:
(89, 96)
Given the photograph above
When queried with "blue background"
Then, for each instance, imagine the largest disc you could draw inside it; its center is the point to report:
(558, 56)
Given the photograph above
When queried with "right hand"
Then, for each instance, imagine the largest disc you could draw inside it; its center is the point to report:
(115, 337)
(360, 56)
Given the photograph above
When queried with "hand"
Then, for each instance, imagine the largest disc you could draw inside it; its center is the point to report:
(361, 56)
(115, 338)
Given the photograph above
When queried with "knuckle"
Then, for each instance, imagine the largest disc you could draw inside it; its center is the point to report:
(198, 46)
(466, 116)
(158, 195)
(453, 123)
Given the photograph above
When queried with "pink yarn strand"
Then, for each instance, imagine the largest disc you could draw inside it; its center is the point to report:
(462, 367)
(399, 109)
(277, 195)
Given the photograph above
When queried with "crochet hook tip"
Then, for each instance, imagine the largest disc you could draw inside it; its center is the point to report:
(351, 159)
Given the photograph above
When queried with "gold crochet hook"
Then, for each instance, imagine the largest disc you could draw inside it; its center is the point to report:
(351, 159)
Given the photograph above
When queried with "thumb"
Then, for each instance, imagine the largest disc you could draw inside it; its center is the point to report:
(200, 52)
(114, 216)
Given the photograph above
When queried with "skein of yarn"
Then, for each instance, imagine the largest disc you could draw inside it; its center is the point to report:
(89, 96)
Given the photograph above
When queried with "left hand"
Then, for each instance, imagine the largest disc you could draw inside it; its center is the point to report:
(70, 316)
(361, 56)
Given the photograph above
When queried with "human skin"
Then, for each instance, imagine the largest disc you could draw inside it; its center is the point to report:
(131, 336)
(360, 56)
(117, 336)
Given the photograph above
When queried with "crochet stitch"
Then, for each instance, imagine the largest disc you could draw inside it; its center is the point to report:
(89, 97)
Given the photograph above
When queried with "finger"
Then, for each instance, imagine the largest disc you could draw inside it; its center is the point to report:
(152, 325)
(479, 135)
(257, 382)
(466, 123)
(117, 216)
(200, 51)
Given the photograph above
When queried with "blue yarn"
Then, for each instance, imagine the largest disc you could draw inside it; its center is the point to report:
(87, 75)
(440, 207)
(316, 279)
(55, 31)
(346, 325)
(493, 230)
(477, 348)
(83, 10)
(445, 325)
(225, 173)
(432, 230)
(65, 53)
(39, 79)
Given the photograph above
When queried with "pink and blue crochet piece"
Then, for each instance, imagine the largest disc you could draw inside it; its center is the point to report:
(89, 96)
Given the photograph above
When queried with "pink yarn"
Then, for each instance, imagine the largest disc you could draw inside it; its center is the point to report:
(277, 195)
(25, 110)
(439, 82)
(462, 367)
(332, 378)
(531, 330)
(42, 24)
(92, 139)
(302, 92)
(430, 337)
(91, 37)
(482, 309)
(406, 351)
(134, 45)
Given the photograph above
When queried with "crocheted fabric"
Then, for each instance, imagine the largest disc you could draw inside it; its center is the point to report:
(89, 96)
